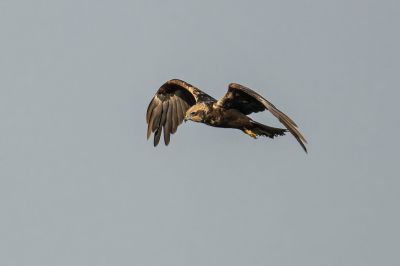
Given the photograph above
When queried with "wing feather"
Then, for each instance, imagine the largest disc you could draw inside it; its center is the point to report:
(174, 124)
(150, 109)
(157, 116)
(157, 136)
(152, 123)
(180, 110)
(167, 136)
(164, 113)
(167, 109)
(168, 126)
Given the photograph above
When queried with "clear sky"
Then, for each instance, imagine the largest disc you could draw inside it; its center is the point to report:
(80, 185)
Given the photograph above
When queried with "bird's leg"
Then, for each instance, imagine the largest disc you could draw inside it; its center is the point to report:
(250, 133)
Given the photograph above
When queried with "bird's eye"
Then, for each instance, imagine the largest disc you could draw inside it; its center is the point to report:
(192, 113)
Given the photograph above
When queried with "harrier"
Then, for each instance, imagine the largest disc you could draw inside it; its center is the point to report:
(177, 101)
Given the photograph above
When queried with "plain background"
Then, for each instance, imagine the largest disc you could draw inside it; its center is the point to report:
(80, 185)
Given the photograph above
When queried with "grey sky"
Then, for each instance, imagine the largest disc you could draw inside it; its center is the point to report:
(80, 185)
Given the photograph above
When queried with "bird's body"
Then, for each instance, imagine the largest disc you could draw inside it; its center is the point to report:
(177, 100)
(221, 117)
(215, 116)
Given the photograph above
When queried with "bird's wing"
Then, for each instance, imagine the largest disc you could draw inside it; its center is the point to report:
(168, 107)
(248, 101)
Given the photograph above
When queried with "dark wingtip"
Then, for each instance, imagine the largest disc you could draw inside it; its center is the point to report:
(155, 143)
(157, 136)
(304, 147)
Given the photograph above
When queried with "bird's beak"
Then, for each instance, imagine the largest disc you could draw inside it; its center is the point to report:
(187, 117)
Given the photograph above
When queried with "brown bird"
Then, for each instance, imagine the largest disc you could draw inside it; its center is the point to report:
(177, 101)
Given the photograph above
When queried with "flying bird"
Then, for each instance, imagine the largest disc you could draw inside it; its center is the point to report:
(177, 101)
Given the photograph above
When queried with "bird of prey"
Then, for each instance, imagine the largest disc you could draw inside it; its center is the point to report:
(177, 101)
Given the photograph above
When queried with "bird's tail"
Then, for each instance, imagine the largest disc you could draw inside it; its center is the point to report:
(258, 129)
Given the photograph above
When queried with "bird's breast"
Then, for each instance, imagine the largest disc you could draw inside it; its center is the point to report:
(216, 118)
(212, 121)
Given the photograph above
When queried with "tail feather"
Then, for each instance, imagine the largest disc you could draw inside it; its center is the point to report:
(264, 130)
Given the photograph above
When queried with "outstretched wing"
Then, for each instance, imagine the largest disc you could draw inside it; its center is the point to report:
(168, 107)
(248, 101)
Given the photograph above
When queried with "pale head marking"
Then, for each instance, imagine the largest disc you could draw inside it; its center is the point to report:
(193, 112)
(197, 107)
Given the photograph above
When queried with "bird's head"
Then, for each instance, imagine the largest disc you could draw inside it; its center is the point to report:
(196, 113)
